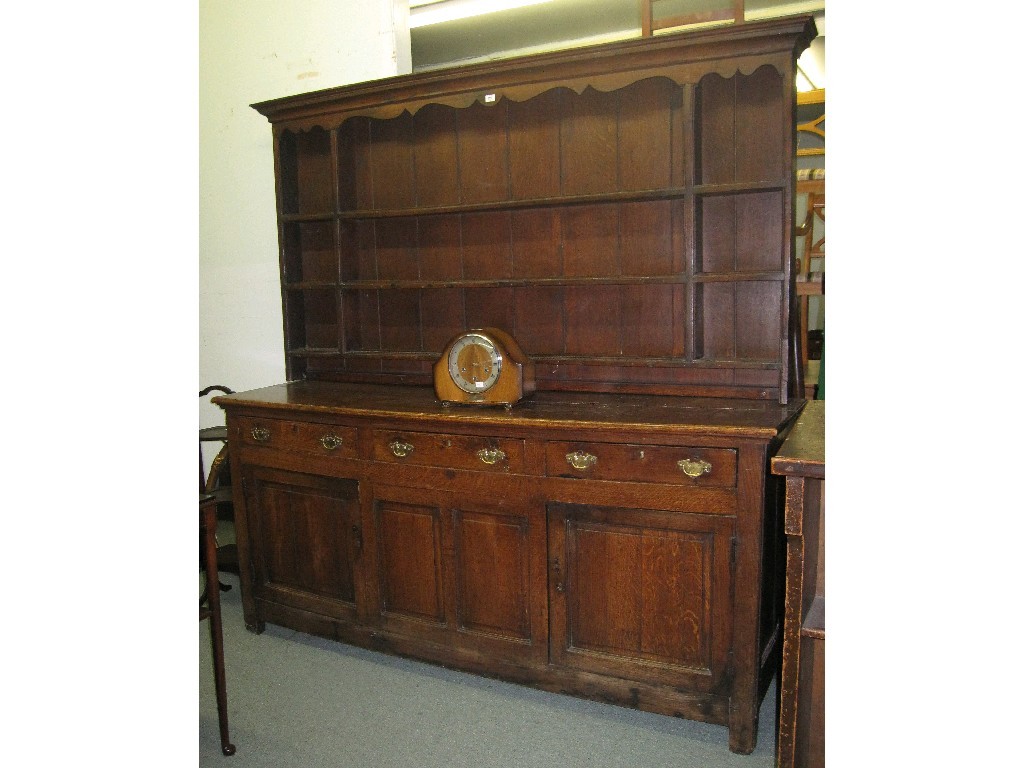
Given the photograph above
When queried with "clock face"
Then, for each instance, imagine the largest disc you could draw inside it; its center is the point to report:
(474, 363)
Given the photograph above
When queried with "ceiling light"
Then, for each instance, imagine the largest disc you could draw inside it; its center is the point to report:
(450, 10)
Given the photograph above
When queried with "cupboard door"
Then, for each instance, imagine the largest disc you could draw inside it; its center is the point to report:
(408, 576)
(467, 574)
(305, 540)
(640, 594)
(499, 580)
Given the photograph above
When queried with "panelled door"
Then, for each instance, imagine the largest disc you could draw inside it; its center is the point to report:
(305, 540)
(465, 572)
(640, 594)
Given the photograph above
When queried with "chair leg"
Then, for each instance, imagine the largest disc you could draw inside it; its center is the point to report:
(209, 517)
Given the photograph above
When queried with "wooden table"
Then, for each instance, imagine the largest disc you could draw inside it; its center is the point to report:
(801, 460)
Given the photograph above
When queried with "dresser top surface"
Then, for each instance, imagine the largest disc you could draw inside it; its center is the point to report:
(736, 417)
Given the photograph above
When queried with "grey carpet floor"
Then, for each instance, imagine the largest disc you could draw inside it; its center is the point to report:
(299, 700)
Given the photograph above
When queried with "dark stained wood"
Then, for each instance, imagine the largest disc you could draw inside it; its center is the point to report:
(487, 245)
(634, 595)
(467, 530)
(302, 526)
(643, 463)
(655, 416)
(598, 176)
(533, 145)
(208, 536)
(436, 156)
(409, 556)
(438, 248)
(492, 563)
(483, 153)
(589, 156)
(391, 162)
(801, 460)
(623, 212)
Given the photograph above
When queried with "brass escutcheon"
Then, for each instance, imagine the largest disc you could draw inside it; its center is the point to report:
(260, 434)
(490, 455)
(400, 449)
(330, 441)
(581, 460)
(694, 467)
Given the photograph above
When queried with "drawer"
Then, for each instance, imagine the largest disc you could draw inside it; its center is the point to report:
(449, 451)
(674, 465)
(299, 436)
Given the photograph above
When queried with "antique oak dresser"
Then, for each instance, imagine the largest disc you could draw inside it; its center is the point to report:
(624, 213)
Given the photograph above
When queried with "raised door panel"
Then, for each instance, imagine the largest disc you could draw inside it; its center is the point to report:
(467, 574)
(305, 540)
(639, 594)
(408, 552)
(499, 577)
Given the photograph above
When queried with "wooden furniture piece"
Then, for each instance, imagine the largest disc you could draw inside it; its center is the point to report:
(208, 532)
(723, 11)
(618, 547)
(217, 482)
(624, 212)
(217, 434)
(801, 460)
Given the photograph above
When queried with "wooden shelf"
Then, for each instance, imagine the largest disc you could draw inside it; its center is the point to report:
(431, 356)
(588, 212)
(604, 198)
(375, 285)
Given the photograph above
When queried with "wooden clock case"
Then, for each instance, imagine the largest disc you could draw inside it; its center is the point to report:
(515, 381)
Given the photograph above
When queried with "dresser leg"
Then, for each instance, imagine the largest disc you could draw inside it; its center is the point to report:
(256, 627)
(742, 730)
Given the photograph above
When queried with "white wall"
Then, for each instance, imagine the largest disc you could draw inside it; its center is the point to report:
(250, 52)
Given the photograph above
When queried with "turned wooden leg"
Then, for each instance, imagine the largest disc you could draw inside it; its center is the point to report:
(208, 516)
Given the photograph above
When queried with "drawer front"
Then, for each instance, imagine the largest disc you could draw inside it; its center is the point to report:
(449, 451)
(299, 436)
(675, 465)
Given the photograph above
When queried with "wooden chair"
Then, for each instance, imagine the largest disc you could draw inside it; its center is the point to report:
(208, 531)
(218, 482)
(218, 434)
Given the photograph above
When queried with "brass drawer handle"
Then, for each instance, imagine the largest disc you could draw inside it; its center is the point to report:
(490, 455)
(260, 434)
(581, 460)
(330, 441)
(694, 467)
(400, 449)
